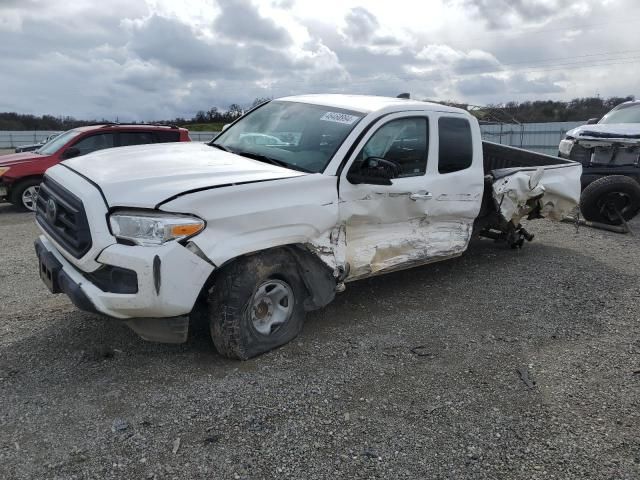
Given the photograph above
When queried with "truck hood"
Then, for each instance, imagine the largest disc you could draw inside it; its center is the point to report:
(147, 175)
(607, 131)
(19, 158)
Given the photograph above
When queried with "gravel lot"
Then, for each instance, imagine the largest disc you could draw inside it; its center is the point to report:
(83, 397)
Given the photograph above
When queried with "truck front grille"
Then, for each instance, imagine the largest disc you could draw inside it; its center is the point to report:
(61, 214)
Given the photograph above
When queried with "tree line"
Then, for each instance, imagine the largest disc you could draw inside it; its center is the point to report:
(552, 111)
(577, 109)
(19, 121)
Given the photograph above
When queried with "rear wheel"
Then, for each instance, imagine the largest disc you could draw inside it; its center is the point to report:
(605, 199)
(24, 194)
(256, 305)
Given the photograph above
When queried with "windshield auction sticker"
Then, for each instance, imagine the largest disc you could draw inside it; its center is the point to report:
(339, 118)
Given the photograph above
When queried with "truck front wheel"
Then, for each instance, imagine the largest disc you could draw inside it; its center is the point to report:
(609, 197)
(256, 305)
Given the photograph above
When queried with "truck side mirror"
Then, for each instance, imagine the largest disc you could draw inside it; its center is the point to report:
(70, 153)
(591, 121)
(373, 171)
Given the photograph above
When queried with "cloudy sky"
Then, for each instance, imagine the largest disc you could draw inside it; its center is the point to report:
(142, 60)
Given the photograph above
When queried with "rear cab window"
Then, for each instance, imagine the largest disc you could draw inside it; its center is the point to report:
(456, 145)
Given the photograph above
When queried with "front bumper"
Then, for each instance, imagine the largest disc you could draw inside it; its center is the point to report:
(169, 279)
(59, 281)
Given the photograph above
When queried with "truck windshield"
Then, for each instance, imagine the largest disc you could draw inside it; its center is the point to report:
(57, 143)
(623, 114)
(295, 135)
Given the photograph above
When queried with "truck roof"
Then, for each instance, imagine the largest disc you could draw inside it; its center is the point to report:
(369, 103)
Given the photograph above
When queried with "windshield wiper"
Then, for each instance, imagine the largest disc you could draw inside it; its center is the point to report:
(272, 161)
(221, 147)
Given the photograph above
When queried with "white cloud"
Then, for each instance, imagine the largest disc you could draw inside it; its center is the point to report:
(164, 58)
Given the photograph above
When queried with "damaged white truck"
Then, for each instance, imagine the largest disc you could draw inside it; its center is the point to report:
(276, 214)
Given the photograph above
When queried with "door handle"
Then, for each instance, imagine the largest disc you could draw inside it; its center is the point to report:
(420, 196)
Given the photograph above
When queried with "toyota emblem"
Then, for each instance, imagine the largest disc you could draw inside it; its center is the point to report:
(52, 210)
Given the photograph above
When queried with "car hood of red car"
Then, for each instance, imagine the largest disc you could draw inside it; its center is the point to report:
(19, 158)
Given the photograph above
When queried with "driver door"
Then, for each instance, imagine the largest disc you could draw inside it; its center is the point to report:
(398, 225)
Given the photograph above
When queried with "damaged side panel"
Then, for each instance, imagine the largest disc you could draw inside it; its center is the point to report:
(414, 221)
(381, 247)
(552, 191)
(250, 218)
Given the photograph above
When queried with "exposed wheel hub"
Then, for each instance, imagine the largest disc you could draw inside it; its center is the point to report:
(271, 306)
(263, 309)
(613, 204)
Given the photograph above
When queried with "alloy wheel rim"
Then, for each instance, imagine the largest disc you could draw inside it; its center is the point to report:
(30, 196)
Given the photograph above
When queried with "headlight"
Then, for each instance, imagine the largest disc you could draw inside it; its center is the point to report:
(153, 228)
(565, 146)
(3, 170)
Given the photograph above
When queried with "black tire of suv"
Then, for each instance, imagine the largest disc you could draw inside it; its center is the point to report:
(229, 299)
(16, 192)
(594, 199)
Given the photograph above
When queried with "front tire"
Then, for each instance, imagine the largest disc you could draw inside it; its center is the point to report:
(24, 194)
(602, 199)
(256, 305)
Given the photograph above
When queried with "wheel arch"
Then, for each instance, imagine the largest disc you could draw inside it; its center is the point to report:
(588, 178)
(14, 187)
(318, 278)
(27, 178)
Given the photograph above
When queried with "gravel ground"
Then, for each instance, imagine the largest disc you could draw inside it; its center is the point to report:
(5, 151)
(83, 397)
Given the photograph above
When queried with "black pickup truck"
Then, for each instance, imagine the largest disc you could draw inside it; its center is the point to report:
(609, 150)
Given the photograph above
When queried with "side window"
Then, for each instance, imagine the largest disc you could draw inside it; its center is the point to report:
(404, 141)
(94, 142)
(168, 136)
(135, 138)
(456, 147)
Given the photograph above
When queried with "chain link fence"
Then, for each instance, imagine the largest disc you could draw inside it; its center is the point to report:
(539, 137)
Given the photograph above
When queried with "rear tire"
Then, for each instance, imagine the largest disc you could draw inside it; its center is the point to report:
(25, 193)
(256, 305)
(601, 198)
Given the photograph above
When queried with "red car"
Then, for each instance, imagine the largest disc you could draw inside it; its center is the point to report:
(21, 173)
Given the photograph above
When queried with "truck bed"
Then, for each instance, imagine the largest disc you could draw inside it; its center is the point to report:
(498, 157)
(520, 183)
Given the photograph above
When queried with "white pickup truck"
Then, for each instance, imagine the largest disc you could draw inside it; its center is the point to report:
(271, 218)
